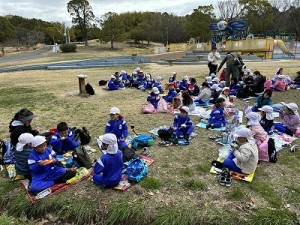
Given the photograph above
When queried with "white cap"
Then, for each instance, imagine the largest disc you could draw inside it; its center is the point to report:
(123, 72)
(38, 140)
(248, 71)
(215, 87)
(213, 75)
(269, 112)
(225, 89)
(246, 133)
(134, 72)
(208, 79)
(158, 78)
(174, 73)
(111, 141)
(155, 90)
(293, 107)
(216, 80)
(254, 118)
(148, 75)
(114, 110)
(138, 69)
(185, 109)
(112, 76)
(281, 76)
(186, 78)
(23, 139)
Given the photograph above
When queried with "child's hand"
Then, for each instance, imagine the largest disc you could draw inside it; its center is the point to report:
(63, 138)
(183, 125)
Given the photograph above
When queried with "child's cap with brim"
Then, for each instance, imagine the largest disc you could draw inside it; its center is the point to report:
(38, 140)
(184, 109)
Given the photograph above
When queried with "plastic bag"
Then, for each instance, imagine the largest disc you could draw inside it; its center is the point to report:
(224, 151)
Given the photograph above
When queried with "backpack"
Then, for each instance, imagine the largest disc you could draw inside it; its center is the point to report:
(143, 140)
(81, 135)
(272, 151)
(136, 170)
(129, 154)
(7, 155)
(165, 133)
(89, 89)
(162, 106)
(81, 157)
(102, 82)
(148, 108)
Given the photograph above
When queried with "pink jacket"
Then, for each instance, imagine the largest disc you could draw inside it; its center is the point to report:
(291, 121)
(259, 134)
(280, 85)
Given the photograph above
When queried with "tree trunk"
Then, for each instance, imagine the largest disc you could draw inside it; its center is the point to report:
(111, 44)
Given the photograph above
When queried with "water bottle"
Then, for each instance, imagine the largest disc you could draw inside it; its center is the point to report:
(224, 138)
(236, 118)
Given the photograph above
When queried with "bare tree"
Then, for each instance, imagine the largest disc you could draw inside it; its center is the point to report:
(281, 5)
(228, 10)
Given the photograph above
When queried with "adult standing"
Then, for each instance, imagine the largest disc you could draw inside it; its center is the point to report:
(213, 58)
(233, 61)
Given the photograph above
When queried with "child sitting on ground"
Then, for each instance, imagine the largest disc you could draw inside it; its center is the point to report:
(63, 139)
(183, 125)
(215, 93)
(111, 86)
(44, 167)
(262, 100)
(148, 83)
(184, 84)
(154, 97)
(296, 81)
(204, 95)
(171, 93)
(244, 158)
(108, 168)
(117, 126)
(23, 150)
(258, 132)
(233, 86)
(193, 88)
(290, 119)
(267, 118)
(188, 101)
(216, 117)
(280, 85)
(157, 84)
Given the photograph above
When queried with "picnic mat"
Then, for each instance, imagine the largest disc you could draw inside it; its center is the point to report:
(203, 125)
(155, 130)
(281, 140)
(125, 183)
(197, 112)
(235, 175)
(49, 191)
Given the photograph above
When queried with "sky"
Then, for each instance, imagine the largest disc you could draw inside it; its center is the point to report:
(56, 10)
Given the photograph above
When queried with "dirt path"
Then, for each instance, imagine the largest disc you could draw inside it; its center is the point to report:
(26, 55)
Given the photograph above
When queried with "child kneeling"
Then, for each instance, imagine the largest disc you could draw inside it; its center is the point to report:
(183, 125)
(44, 167)
(108, 168)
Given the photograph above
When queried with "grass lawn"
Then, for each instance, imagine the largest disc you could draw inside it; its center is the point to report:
(179, 188)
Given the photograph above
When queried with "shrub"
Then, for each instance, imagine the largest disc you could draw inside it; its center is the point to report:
(70, 47)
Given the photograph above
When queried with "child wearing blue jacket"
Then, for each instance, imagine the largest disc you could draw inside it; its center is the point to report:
(63, 139)
(117, 126)
(149, 82)
(108, 168)
(262, 100)
(183, 125)
(154, 97)
(171, 93)
(184, 84)
(112, 86)
(158, 85)
(43, 166)
(217, 118)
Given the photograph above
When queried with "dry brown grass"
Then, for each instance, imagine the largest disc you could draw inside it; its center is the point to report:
(170, 163)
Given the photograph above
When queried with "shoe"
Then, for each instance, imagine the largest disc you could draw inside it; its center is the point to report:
(228, 181)
(213, 138)
(222, 180)
(219, 168)
(294, 148)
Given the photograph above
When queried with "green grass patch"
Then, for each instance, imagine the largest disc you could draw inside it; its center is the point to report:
(182, 216)
(126, 212)
(9, 220)
(6, 187)
(187, 172)
(150, 183)
(265, 216)
(236, 194)
(267, 192)
(294, 194)
(203, 168)
(80, 211)
(20, 96)
(194, 184)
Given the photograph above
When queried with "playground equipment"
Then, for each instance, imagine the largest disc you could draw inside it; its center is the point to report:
(230, 39)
